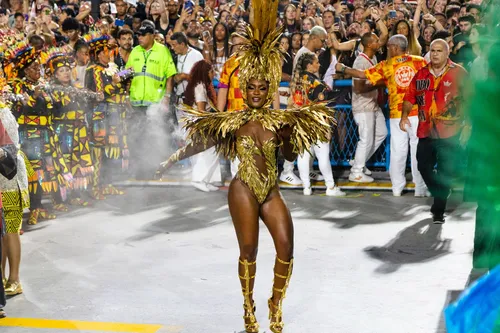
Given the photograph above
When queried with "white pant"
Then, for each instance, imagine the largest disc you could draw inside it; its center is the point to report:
(288, 166)
(322, 152)
(399, 155)
(206, 167)
(372, 132)
(234, 166)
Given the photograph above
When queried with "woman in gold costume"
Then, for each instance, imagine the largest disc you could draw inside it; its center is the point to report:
(254, 135)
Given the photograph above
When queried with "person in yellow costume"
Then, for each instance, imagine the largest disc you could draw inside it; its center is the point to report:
(107, 124)
(70, 101)
(37, 138)
(254, 135)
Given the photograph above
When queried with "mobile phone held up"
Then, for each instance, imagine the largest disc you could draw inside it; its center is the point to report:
(393, 14)
(189, 5)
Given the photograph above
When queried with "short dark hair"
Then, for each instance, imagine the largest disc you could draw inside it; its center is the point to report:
(452, 10)
(366, 39)
(124, 32)
(16, 15)
(35, 38)
(180, 38)
(467, 18)
(70, 23)
(80, 44)
(70, 12)
(473, 6)
(440, 34)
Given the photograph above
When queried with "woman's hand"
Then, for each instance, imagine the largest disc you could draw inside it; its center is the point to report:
(164, 167)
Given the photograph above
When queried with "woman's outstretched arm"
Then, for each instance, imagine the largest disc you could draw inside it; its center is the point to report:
(185, 152)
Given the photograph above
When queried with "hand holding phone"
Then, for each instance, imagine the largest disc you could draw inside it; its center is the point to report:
(393, 14)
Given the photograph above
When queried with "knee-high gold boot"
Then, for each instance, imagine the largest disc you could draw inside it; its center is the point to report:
(248, 269)
(280, 286)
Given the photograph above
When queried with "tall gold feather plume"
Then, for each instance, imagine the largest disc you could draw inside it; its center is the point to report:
(260, 57)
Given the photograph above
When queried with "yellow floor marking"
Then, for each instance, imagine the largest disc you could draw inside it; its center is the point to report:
(79, 325)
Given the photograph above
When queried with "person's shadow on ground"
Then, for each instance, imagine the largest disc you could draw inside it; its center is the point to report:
(419, 242)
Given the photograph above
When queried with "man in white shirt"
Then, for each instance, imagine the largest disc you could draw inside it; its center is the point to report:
(367, 114)
(186, 58)
(317, 40)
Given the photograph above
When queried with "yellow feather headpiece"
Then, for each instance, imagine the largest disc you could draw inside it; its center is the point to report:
(260, 56)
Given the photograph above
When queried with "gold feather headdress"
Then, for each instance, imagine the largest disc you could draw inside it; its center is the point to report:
(260, 57)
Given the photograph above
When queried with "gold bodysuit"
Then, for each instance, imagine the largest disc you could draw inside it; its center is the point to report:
(258, 165)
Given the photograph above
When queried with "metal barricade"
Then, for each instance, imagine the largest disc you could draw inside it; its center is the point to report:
(345, 139)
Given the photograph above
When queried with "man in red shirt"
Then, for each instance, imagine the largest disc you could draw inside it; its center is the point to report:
(436, 90)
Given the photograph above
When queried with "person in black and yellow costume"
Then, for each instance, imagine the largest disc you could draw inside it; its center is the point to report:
(36, 135)
(254, 135)
(107, 126)
(70, 122)
(15, 198)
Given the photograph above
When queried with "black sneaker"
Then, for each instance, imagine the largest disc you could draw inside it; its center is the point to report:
(438, 218)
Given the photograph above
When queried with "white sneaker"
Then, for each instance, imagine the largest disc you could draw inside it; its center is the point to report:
(423, 193)
(396, 194)
(316, 176)
(201, 186)
(366, 171)
(335, 192)
(211, 187)
(307, 191)
(290, 178)
(360, 178)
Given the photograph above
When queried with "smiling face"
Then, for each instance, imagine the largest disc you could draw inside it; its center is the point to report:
(428, 31)
(257, 91)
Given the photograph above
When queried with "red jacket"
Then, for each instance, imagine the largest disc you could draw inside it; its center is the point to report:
(438, 100)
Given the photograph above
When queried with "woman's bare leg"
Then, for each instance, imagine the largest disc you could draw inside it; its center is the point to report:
(4, 260)
(12, 242)
(278, 220)
(244, 210)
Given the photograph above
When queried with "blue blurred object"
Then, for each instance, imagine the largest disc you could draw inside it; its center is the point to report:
(478, 308)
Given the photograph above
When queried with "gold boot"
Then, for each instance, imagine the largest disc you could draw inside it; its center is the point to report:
(251, 325)
(13, 288)
(275, 311)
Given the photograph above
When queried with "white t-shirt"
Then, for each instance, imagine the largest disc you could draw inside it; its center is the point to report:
(330, 72)
(184, 65)
(366, 102)
(201, 95)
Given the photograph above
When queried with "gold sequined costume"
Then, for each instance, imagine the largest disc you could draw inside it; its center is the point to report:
(310, 124)
(253, 135)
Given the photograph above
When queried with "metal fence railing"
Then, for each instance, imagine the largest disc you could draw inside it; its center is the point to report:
(345, 138)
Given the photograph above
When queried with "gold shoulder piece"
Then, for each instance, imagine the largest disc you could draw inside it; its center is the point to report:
(311, 124)
(218, 126)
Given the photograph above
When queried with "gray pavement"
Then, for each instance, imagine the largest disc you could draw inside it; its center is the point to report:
(369, 263)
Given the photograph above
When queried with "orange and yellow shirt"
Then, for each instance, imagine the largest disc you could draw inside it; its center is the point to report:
(229, 79)
(397, 74)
